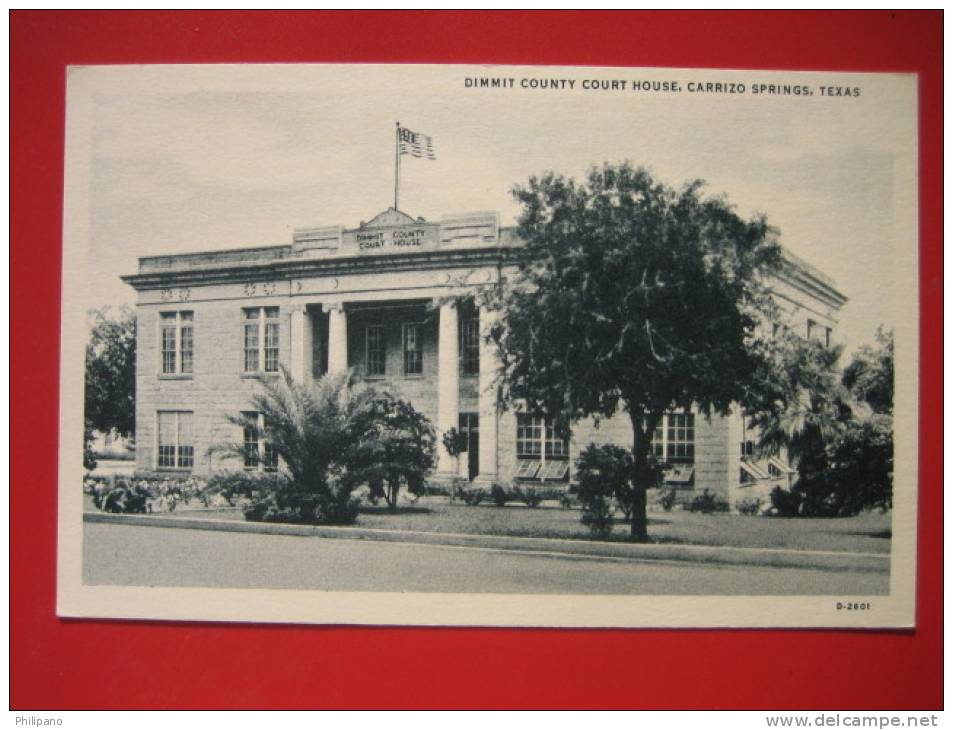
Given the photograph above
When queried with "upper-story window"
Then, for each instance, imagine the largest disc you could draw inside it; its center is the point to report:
(375, 350)
(413, 349)
(261, 337)
(175, 331)
(819, 333)
(470, 345)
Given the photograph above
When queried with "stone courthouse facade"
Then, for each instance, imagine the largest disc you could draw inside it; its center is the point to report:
(392, 299)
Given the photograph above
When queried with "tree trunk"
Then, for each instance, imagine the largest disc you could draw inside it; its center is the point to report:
(639, 521)
(391, 496)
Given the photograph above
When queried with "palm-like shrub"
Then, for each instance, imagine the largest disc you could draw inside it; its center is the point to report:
(310, 428)
(843, 455)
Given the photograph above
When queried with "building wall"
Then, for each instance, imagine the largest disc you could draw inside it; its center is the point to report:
(217, 387)
(715, 456)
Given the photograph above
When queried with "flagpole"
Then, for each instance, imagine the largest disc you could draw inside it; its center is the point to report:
(396, 165)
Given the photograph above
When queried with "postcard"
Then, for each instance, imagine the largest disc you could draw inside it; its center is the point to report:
(489, 346)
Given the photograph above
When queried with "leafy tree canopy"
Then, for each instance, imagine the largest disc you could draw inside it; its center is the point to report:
(870, 373)
(630, 293)
(110, 390)
(394, 443)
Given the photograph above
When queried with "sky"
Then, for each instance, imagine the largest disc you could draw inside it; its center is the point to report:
(202, 158)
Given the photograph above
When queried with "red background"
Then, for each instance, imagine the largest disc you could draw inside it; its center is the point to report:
(102, 664)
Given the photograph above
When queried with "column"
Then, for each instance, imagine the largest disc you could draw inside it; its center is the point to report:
(300, 344)
(489, 410)
(337, 338)
(448, 384)
(734, 429)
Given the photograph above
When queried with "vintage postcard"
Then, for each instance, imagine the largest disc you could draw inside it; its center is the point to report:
(489, 346)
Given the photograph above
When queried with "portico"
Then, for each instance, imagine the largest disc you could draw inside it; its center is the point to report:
(430, 351)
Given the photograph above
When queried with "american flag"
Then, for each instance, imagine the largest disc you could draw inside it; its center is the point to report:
(415, 144)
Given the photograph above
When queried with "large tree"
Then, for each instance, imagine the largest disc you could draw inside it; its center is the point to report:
(869, 375)
(631, 294)
(111, 371)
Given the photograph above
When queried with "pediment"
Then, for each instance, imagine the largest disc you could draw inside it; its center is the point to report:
(388, 219)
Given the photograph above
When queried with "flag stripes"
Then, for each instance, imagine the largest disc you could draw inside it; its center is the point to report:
(415, 144)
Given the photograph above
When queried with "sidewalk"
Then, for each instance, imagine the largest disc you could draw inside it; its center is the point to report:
(762, 557)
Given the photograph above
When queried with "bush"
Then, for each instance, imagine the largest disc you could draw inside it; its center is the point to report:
(667, 498)
(471, 496)
(438, 490)
(122, 495)
(236, 486)
(785, 503)
(528, 495)
(567, 500)
(706, 503)
(335, 506)
(604, 474)
(393, 444)
(597, 516)
(499, 495)
(749, 506)
(274, 497)
(454, 442)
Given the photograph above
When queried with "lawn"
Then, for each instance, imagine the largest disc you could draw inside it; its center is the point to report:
(868, 532)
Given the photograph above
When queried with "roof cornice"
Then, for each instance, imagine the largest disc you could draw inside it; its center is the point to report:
(300, 267)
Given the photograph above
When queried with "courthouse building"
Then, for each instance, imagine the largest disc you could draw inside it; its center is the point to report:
(393, 300)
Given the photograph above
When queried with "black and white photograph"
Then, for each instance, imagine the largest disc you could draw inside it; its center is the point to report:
(489, 345)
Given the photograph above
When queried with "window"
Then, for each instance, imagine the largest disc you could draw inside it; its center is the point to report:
(176, 335)
(413, 351)
(261, 339)
(175, 440)
(747, 449)
(319, 345)
(529, 433)
(817, 333)
(556, 446)
(469, 427)
(674, 439)
(374, 349)
(259, 454)
(470, 345)
(544, 453)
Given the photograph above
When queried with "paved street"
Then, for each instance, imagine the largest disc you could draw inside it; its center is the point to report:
(136, 555)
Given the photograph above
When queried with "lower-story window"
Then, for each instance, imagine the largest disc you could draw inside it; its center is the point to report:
(259, 453)
(674, 439)
(176, 450)
(674, 443)
(542, 451)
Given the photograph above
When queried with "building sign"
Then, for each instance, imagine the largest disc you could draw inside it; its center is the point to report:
(399, 239)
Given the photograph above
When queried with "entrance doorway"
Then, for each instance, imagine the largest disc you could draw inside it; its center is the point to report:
(470, 428)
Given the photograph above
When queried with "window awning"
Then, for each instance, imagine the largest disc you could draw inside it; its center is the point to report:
(680, 474)
(781, 466)
(555, 470)
(527, 469)
(753, 469)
